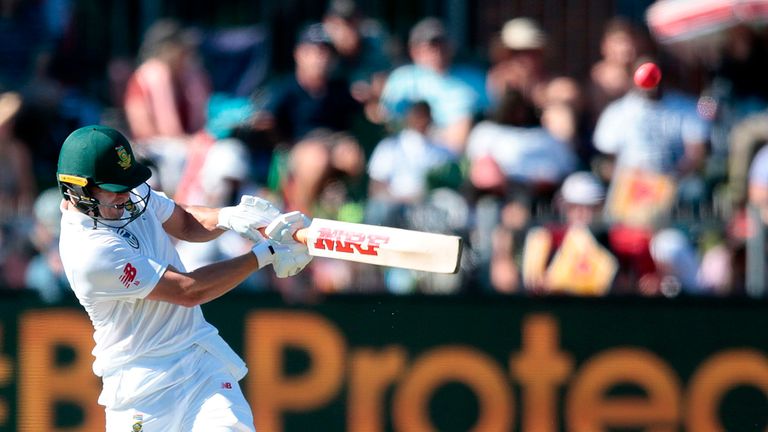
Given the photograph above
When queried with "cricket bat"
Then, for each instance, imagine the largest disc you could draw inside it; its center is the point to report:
(385, 246)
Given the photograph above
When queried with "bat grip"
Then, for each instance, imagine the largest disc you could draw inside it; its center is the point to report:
(300, 235)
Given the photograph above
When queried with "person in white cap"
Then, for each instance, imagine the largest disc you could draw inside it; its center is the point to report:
(582, 196)
(523, 66)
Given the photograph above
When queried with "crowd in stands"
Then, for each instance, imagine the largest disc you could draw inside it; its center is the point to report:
(558, 184)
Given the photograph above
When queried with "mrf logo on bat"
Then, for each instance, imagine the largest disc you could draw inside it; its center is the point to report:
(352, 242)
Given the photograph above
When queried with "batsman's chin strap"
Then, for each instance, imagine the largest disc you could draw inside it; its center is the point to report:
(90, 206)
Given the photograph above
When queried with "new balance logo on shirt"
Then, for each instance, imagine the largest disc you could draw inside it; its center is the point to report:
(129, 274)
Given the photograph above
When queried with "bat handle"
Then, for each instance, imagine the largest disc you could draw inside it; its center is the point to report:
(300, 235)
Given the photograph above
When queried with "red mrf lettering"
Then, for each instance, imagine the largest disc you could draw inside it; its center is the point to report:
(129, 274)
(350, 241)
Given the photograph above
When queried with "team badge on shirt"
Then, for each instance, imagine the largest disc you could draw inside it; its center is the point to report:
(132, 240)
(138, 421)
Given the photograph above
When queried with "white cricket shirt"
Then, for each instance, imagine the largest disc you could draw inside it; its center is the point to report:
(112, 270)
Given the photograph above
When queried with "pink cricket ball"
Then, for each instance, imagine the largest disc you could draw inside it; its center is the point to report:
(647, 76)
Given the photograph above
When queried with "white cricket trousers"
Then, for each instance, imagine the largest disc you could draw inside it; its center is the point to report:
(210, 400)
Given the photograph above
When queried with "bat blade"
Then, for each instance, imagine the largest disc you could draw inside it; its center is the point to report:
(385, 246)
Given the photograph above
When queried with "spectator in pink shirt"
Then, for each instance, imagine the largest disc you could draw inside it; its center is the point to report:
(165, 100)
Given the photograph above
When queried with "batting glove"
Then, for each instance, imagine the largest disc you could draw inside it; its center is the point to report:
(247, 217)
(282, 228)
(290, 258)
(286, 259)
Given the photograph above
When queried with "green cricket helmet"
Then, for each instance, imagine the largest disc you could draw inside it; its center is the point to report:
(100, 156)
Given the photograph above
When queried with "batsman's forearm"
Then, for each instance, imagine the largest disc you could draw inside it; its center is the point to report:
(214, 280)
(193, 224)
(204, 284)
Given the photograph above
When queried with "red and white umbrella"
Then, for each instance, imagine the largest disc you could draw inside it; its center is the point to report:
(672, 21)
(696, 30)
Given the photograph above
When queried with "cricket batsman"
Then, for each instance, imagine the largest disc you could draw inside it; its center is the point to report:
(163, 367)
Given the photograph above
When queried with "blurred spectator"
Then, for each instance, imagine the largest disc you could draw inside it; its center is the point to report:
(166, 97)
(225, 116)
(17, 195)
(25, 31)
(517, 158)
(736, 91)
(326, 178)
(364, 59)
(743, 66)
(17, 181)
(758, 183)
(307, 102)
(611, 76)
(572, 256)
(55, 102)
(324, 166)
(722, 267)
(678, 265)
(656, 131)
(532, 161)
(413, 186)
(218, 171)
(45, 273)
(456, 93)
(167, 94)
(361, 48)
(222, 179)
(400, 165)
(745, 140)
(523, 67)
(515, 167)
(237, 59)
(310, 98)
(566, 117)
(658, 145)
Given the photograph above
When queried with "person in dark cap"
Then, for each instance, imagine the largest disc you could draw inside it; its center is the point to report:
(163, 367)
(303, 104)
(455, 93)
(310, 98)
(428, 30)
(361, 48)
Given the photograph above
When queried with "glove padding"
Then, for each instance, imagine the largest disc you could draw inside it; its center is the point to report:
(283, 227)
(286, 259)
(290, 258)
(294, 255)
(247, 217)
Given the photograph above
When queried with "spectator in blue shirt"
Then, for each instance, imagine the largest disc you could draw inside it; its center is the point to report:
(456, 94)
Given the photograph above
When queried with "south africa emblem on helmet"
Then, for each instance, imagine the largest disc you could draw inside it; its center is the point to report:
(125, 158)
